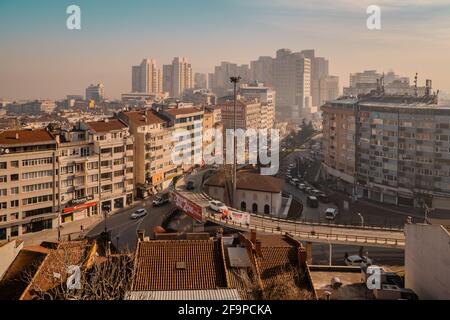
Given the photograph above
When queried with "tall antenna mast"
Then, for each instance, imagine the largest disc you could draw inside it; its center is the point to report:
(235, 81)
(415, 84)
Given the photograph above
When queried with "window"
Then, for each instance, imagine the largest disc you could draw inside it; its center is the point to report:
(35, 200)
(3, 205)
(14, 216)
(93, 178)
(15, 164)
(36, 162)
(15, 190)
(255, 208)
(105, 151)
(92, 165)
(15, 231)
(106, 163)
(243, 206)
(3, 218)
(14, 203)
(3, 179)
(14, 177)
(267, 209)
(3, 165)
(119, 149)
(119, 173)
(3, 192)
(118, 162)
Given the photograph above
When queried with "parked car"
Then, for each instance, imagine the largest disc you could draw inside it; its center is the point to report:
(312, 202)
(331, 213)
(288, 177)
(302, 186)
(139, 214)
(315, 192)
(308, 190)
(190, 185)
(218, 206)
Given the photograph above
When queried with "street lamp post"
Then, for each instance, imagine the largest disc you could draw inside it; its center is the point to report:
(235, 81)
(362, 219)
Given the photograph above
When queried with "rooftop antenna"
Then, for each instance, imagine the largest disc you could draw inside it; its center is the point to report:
(382, 84)
(415, 84)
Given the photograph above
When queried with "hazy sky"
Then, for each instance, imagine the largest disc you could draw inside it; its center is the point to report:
(41, 58)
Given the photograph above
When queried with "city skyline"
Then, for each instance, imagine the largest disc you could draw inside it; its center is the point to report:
(50, 61)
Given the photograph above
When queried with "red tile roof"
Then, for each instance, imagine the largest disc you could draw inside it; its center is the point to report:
(19, 137)
(250, 181)
(182, 111)
(143, 118)
(179, 265)
(106, 125)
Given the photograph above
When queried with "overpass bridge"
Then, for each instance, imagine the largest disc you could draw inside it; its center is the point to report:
(196, 205)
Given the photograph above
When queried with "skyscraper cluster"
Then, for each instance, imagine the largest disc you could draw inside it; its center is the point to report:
(173, 78)
(300, 79)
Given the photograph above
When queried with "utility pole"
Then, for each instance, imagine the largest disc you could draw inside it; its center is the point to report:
(235, 81)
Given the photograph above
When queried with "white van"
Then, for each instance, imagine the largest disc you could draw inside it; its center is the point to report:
(331, 213)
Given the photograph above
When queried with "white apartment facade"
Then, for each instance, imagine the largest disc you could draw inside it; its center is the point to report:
(114, 149)
(153, 165)
(28, 182)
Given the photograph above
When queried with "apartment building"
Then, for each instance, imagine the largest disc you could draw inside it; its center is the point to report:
(292, 82)
(28, 182)
(112, 171)
(187, 124)
(392, 149)
(212, 119)
(266, 96)
(154, 168)
(95, 92)
(248, 114)
(79, 172)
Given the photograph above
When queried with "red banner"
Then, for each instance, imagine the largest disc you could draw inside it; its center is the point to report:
(187, 206)
(80, 207)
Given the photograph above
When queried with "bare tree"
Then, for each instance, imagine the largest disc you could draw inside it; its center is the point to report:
(100, 278)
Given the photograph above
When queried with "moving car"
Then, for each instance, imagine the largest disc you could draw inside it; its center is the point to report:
(161, 200)
(190, 185)
(331, 213)
(312, 202)
(218, 206)
(139, 214)
(324, 197)
(357, 261)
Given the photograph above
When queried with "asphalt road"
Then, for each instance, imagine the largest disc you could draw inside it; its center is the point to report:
(124, 230)
(378, 216)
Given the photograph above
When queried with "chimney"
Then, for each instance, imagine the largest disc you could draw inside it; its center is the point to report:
(253, 236)
(258, 248)
(141, 235)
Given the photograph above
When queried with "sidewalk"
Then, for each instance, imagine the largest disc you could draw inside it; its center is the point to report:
(72, 229)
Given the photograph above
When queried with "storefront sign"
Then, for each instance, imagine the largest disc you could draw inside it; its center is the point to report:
(76, 202)
(190, 208)
(80, 207)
